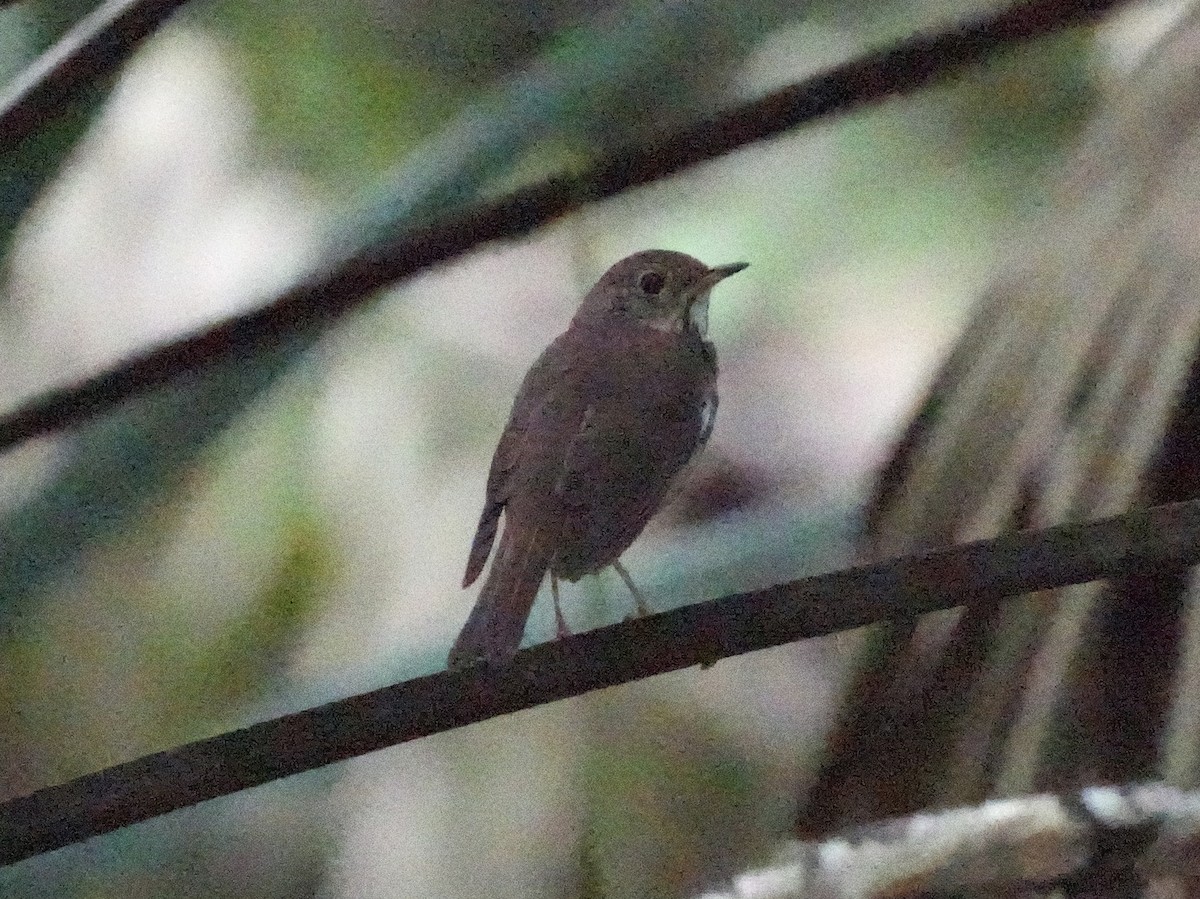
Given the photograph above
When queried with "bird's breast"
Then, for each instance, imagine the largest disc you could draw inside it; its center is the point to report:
(651, 365)
(625, 411)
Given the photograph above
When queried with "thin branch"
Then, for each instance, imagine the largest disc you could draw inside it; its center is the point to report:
(98, 44)
(696, 634)
(314, 305)
(1006, 845)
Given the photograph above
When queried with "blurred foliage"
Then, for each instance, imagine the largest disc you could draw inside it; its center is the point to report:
(25, 31)
(141, 649)
(675, 803)
(252, 648)
(1070, 396)
(112, 646)
(331, 98)
(1017, 113)
(264, 516)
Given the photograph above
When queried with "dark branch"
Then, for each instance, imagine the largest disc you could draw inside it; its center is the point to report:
(1164, 536)
(99, 44)
(312, 306)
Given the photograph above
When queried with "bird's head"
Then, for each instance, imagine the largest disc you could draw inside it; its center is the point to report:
(659, 289)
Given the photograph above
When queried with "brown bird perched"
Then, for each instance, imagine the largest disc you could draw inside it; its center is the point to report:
(603, 422)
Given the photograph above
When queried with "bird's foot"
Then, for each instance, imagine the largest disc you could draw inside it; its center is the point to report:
(560, 624)
(641, 607)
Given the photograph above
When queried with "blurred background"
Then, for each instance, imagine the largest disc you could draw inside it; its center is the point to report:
(293, 528)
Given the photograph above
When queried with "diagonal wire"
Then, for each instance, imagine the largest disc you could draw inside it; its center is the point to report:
(703, 633)
(97, 45)
(313, 305)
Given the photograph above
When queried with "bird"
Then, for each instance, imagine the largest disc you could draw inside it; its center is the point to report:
(602, 424)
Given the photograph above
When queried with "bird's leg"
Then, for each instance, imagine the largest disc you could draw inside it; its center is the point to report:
(643, 607)
(560, 623)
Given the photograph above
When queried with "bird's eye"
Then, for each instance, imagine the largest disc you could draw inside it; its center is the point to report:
(651, 283)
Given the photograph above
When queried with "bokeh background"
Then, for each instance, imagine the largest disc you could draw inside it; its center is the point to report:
(293, 527)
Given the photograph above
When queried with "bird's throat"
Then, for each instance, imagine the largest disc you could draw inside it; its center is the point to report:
(697, 313)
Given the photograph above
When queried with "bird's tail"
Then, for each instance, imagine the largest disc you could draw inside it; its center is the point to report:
(494, 628)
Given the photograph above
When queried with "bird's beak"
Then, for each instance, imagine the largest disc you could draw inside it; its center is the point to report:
(721, 272)
(696, 311)
(712, 276)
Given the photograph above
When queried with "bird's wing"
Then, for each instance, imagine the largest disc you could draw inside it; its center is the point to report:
(627, 445)
(538, 402)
